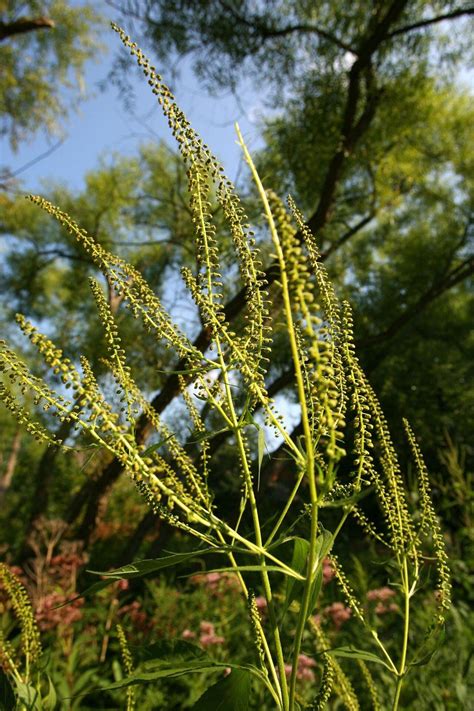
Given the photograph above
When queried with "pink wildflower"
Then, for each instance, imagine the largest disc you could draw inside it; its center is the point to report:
(49, 615)
(381, 609)
(305, 668)
(209, 639)
(208, 636)
(206, 627)
(328, 571)
(188, 634)
(380, 594)
(339, 613)
(305, 661)
(137, 616)
(305, 674)
(216, 582)
(261, 603)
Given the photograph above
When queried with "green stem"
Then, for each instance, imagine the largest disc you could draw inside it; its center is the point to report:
(281, 518)
(406, 628)
(276, 694)
(304, 604)
(309, 468)
(258, 539)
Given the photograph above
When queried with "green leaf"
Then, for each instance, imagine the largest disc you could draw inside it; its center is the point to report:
(140, 568)
(298, 564)
(167, 650)
(254, 568)
(324, 544)
(353, 653)
(428, 649)
(7, 697)
(315, 590)
(229, 694)
(294, 588)
(29, 695)
(50, 700)
(206, 435)
(156, 446)
(154, 669)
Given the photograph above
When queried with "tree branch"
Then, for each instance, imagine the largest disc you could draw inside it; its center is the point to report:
(431, 21)
(7, 476)
(347, 236)
(454, 277)
(23, 25)
(257, 25)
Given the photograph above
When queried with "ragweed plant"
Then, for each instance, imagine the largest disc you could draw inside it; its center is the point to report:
(344, 457)
(20, 662)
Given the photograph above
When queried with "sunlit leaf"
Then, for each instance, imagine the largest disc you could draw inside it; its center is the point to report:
(353, 653)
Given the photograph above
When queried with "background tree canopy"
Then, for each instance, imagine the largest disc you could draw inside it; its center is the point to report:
(367, 125)
(43, 48)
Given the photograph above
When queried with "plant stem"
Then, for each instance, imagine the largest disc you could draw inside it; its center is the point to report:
(304, 604)
(406, 628)
(309, 463)
(285, 509)
(276, 694)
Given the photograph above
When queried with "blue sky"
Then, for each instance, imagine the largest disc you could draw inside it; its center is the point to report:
(103, 126)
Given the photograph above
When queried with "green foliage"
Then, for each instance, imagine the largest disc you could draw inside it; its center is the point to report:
(273, 40)
(41, 62)
(345, 461)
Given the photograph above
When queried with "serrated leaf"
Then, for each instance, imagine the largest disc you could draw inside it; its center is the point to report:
(229, 694)
(167, 650)
(353, 653)
(140, 568)
(154, 669)
(7, 696)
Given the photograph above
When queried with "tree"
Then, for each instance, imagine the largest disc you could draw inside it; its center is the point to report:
(43, 49)
(371, 135)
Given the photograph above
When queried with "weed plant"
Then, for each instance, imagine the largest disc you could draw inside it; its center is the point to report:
(346, 466)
